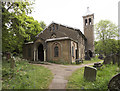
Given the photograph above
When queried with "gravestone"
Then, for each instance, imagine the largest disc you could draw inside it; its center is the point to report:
(8, 55)
(107, 60)
(113, 58)
(90, 73)
(12, 63)
(114, 83)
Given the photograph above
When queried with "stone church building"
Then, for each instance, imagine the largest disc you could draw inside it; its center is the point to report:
(58, 42)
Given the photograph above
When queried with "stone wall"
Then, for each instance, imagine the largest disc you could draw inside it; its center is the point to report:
(64, 51)
(74, 45)
(28, 51)
(89, 32)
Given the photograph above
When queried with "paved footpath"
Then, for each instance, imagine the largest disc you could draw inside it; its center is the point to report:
(61, 74)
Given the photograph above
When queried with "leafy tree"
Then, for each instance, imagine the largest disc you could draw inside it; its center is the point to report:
(42, 25)
(111, 47)
(106, 33)
(17, 26)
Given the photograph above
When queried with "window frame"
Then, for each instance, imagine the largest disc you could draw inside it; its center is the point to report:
(56, 51)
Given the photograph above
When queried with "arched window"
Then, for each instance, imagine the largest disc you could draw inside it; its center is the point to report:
(89, 21)
(85, 22)
(56, 51)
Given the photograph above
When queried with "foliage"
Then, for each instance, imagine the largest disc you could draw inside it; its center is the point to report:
(25, 76)
(77, 81)
(106, 33)
(17, 26)
(105, 29)
(42, 25)
(111, 47)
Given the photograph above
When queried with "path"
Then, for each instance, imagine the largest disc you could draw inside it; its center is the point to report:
(61, 74)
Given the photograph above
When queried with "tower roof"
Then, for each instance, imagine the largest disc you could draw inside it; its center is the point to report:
(88, 12)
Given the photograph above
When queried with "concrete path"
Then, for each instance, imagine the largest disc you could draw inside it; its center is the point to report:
(61, 74)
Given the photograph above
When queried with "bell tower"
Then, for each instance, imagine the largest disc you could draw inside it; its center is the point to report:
(88, 21)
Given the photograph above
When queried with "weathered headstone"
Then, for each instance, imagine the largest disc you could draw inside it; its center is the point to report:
(90, 73)
(113, 58)
(107, 60)
(12, 64)
(114, 83)
(8, 55)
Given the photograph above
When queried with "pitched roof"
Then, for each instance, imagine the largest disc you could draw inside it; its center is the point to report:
(66, 31)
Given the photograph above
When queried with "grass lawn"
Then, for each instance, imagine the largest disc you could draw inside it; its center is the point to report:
(95, 59)
(25, 76)
(76, 81)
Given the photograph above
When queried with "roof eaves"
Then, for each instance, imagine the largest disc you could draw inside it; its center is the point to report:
(29, 42)
(54, 39)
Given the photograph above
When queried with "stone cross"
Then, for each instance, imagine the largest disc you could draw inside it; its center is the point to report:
(90, 73)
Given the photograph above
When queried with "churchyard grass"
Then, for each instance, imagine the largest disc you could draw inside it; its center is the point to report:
(104, 74)
(25, 76)
(93, 60)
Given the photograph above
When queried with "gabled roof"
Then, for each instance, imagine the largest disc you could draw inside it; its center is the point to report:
(64, 33)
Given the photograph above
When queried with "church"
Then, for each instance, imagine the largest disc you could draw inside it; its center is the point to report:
(58, 42)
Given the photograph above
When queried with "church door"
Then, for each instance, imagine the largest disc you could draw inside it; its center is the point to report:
(76, 53)
(40, 53)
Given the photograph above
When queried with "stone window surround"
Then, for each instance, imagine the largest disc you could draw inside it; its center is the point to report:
(59, 47)
(56, 51)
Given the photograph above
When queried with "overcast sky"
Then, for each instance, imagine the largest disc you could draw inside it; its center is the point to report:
(70, 12)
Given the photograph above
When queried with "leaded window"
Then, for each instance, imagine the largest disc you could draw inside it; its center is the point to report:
(56, 51)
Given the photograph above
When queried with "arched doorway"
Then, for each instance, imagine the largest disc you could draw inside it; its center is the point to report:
(40, 53)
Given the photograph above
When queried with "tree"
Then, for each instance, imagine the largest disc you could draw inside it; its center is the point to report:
(17, 26)
(42, 25)
(106, 33)
(111, 47)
